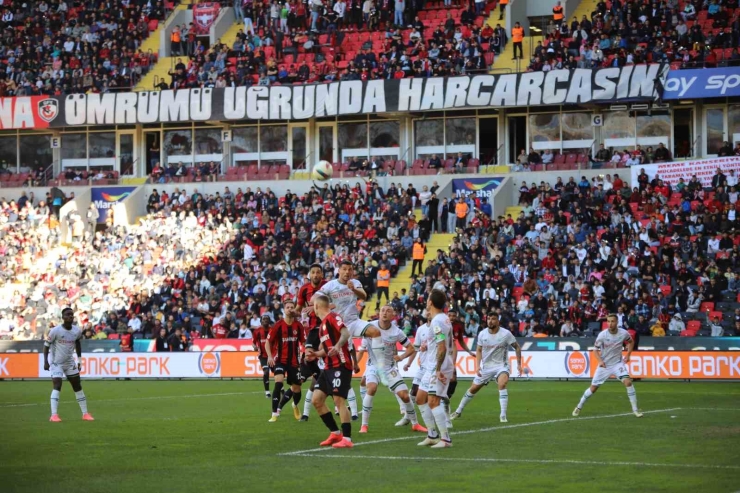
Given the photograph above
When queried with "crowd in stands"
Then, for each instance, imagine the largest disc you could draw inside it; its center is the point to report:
(324, 40)
(683, 33)
(57, 47)
(603, 158)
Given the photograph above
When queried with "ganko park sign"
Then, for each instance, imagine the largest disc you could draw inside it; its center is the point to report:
(556, 87)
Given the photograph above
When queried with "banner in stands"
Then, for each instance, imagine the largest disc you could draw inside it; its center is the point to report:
(146, 365)
(556, 87)
(20, 365)
(481, 187)
(702, 83)
(88, 346)
(704, 169)
(105, 198)
(204, 15)
(645, 343)
(683, 365)
(221, 345)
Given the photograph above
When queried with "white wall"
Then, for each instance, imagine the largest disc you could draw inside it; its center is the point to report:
(80, 204)
(132, 207)
(223, 23)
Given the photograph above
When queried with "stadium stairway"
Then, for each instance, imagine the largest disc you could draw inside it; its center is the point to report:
(164, 64)
(514, 211)
(229, 36)
(584, 8)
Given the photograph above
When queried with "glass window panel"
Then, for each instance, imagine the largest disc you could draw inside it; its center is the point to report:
(735, 119)
(178, 142)
(577, 126)
(544, 131)
(126, 154)
(384, 134)
(102, 144)
(299, 147)
(460, 131)
(9, 153)
(326, 144)
(208, 141)
(244, 139)
(715, 130)
(36, 151)
(429, 133)
(74, 146)
(654, 129)
(352, 136)
(618, 125)
(274, 138)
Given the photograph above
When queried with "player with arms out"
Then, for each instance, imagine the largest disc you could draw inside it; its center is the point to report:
(259, 339)
(283, 354)
(336, 377)
(383, 367)
(492, 363)
(608, 354)
(62, 342)
(438, 374)
(304, 310)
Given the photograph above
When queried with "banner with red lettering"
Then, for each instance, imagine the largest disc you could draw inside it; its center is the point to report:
(145, 365)
(704, 169)
(28, 112)
(204, 15)
(692, 365)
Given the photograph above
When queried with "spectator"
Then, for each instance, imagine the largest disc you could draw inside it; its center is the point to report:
(517, 36)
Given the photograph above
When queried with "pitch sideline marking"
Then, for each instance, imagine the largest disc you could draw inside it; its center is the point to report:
(528, 461)
(484, 430)
(156, 397)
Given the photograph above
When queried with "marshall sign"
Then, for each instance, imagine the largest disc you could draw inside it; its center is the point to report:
(557, 87)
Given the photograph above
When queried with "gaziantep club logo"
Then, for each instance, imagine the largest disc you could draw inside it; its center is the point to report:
(48, 109)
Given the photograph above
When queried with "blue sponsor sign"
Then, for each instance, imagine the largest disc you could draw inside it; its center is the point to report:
(702, 83)
(106, 197)
(481, 187)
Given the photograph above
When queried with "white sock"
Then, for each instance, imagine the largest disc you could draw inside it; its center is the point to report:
(440, 418)
(352, 401)
(401, 404)
(82, 401)
(503, 399)
(54, 401)
(410, 412)
(446, 404)
(308, 404)
(428, 417)
(585, 397)
(632, 397)
(363, 392)
(367, 408)
(465, 401)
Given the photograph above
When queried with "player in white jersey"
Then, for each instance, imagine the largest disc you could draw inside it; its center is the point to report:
(372, 345)
(608, 354)
(437, 360)
(421, 334)
(383, 368)
(492, 363)
(61, 343)
(344, 293)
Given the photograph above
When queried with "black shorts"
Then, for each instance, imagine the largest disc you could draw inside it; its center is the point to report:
(310, 369)
(335, 382)
(292, 375)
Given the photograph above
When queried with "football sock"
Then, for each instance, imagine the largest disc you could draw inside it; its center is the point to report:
(308, 403)
(465, 401)
(296, 397)
(446, 404)
(266, 378)
(411, 412)
(401, 404)
(347, 431)
(367, 408)
(632, 397)
(82, 401)
(55, 401)
(585, 397)
(286, 397)
(451, 388)
(363, 392)
(328, 420)
(352, 401)
(428, 417)
(503, 399)
(276, 396)
(440, 418)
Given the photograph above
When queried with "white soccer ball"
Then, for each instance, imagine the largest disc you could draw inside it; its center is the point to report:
(322, 171)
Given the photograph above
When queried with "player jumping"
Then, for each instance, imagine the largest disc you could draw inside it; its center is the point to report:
(62, 342)
(608, 354)
(259, 339)
(283, 350)
(492, 363)
(304, 309)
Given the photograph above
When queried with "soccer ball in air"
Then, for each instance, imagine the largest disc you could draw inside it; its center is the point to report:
(322, 171)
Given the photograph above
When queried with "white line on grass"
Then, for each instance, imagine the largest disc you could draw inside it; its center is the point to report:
(711, 409)
(484, 430)
(528, 461)
(156, 397)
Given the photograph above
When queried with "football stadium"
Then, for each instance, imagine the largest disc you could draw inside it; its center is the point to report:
(323, 236)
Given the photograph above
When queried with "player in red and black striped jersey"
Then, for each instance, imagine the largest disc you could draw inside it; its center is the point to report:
(336, 377)
(259, 339)
(283, 354)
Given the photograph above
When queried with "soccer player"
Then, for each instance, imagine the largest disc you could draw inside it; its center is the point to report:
(283, 350)
(437, 347)
(344, 292)
(492, 363)
(259, 339)
(608, 354)
(421, 335)
(336, 377)
(383, 367)
(62, 341)
(458, 334)
(304, 309)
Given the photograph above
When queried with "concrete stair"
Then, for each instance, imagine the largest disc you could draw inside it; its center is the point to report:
(584, 8)
(229, 36)
(514, 210)
(158, 73)
(503, 63)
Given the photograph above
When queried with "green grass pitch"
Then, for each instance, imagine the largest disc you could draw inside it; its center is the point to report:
(213, 436)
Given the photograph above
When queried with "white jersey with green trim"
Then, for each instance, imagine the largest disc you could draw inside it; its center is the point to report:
(440, 333)
(386, 347)
(345, 301)
(61, 344)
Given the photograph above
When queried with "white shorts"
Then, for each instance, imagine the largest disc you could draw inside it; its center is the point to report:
(488, 374)
(433, 386)
(418, 377)
(602, 374)
(60, 370)
(392, 379)
(357, 327)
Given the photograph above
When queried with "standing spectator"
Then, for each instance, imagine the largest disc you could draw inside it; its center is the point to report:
(517, 36)
(161, 344)
(461, 213)
(92, 218)
(419, 250)
(502, 6)
(175, 38)
(400, 5)
(383, 282)
(716, 327)
(557, 14)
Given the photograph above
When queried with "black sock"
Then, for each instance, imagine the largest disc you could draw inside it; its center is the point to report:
(414, 390)
(296, 397)
(276, 396)
(451, 389)
(286, 397)
(347, 430)
(328, 420)
(266, 379)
